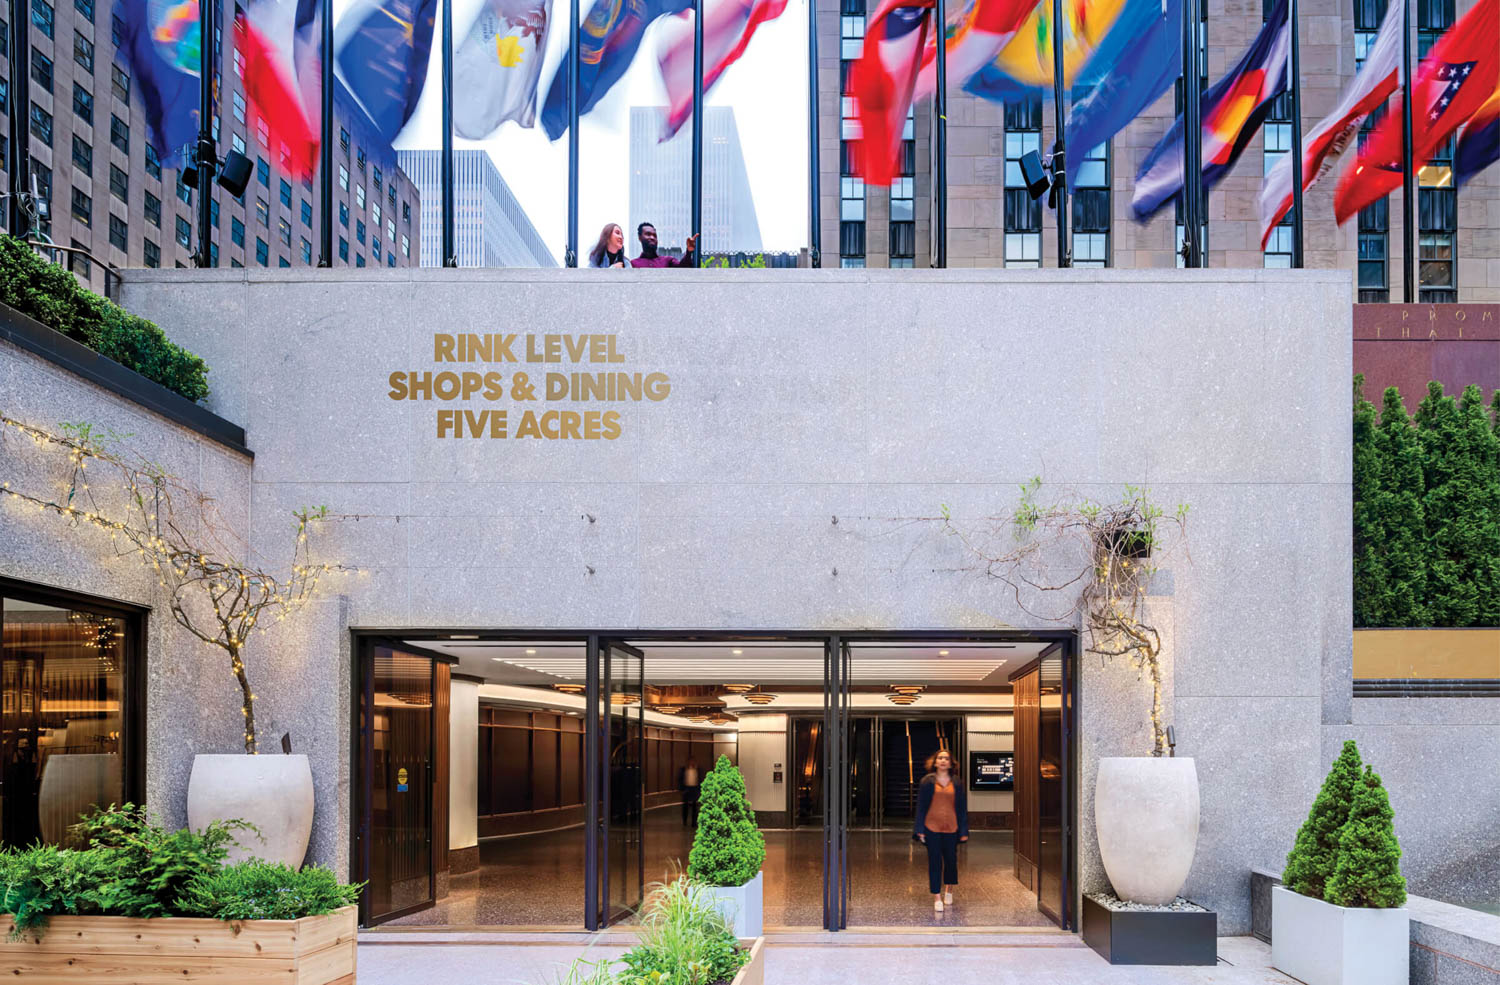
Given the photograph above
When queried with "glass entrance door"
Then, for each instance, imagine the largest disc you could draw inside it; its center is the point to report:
(623, 842)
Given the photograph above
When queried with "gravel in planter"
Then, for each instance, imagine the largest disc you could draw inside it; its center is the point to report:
(1179, 905)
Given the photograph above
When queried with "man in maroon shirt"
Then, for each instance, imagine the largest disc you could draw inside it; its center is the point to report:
(650, 258)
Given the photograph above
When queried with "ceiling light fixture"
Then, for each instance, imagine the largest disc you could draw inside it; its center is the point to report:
(941, 653)
(760, 698)
(736, 652)
(624, 699)
(739, 688)
(565, 688)
(454, 636)
(908, 688)
(902, 699)
(533, 652)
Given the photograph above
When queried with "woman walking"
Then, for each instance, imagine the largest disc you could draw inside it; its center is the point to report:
(942, 822)
(610, 250)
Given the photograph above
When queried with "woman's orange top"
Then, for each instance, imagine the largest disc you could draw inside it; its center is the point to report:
(941, 816)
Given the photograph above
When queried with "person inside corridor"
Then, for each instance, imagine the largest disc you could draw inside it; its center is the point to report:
(942, 822)
(646, 233)
(610, 250)
(689, 781)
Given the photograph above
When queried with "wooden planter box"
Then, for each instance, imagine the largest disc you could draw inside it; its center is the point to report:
(754, 971)
(132, 951)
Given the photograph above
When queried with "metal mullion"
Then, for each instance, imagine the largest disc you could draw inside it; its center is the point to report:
(592, 906)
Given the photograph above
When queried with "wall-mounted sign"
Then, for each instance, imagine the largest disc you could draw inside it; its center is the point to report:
(992, 771)
(401, 777)
(496, 398)
(776, 776)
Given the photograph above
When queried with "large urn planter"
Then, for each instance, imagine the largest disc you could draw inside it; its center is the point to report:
(94, 950)
(1146, 817)
(753, 972)
(273, 793)
(1319, 943)
(741, 906)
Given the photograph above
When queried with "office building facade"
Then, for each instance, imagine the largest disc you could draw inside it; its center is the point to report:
(108, 194)
(993, 222)
(490, 227)
(661, 183)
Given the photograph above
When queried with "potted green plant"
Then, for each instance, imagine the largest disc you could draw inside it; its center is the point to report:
(728, 849)
(1340, 917)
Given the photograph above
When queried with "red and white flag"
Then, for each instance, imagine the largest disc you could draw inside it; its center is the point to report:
(1455, 79)
(882, 82)
(277, 42)
(985, 28)
(728, 26)
(1322, 146)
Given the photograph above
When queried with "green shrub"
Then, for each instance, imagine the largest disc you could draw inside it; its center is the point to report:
(1367, 871)
(43, 880)
(258, 890)
(684, 940)
(51, 295)
(1312, 857)
(728, 849)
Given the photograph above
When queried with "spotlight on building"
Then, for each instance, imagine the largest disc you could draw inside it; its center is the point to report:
(234, 174)
(1034, 174)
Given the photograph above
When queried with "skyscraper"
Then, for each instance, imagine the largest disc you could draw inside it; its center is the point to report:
(661, 183)
(490, 227)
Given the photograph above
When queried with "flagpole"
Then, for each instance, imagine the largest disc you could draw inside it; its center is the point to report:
(814, 212)
(1296, 69)
(450, 255)
(940, 122)
(1192, 138)
(571, 255)
(697, 131)
(20, 136)
(325, 152)
(1059, 145)
(205, 156)
(1408, 193)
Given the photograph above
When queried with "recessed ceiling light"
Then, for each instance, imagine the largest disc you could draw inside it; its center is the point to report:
(533, 651)
(736, 652)
(941, 653)
(498, 660)
(456, 637)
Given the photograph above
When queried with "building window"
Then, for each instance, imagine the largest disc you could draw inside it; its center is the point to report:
(1091, 208)
(343, 140)
(344, 214)
(119, 81)
(1437, 200)
(283, 262)
(390, 194)
(83, 207)
(86, 8)
(262, 251)
(286, 193)
(405, 246)
(119, 134)
(70, 669)
(153, 163)
(391, 260)
(851, 188)
(184, 193)
(213, 212)
(263, 134)
(41, 70)
(119, 184)
(1178, 92)
(359, 259)
(375, 213)
(375, 178)
(306, 212)
(390, 230)
(238, 142)
(263, 211)
(1374, 239)
(406, 212)
(239, 68)
(306, 251)
(236, 231)
(116, 30)
(153, 210)
(359, 230)
(359, 196)
(343, 177)
(153, 254)
(83, 155)
(284, 228)
(41, 124)
(117, 232)
(83, 52)
(184, 232)
(1023, 214)
(239, 104)
(4, 94)
(343, 249)
(375, 248)
(359, 158)
(83, 104)
(4, 39)
(43, 16)
(263, 172)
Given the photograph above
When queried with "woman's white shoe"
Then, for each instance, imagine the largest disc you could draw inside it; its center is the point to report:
(937, 905)
(948, 898)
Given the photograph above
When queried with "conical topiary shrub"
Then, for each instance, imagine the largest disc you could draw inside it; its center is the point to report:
(1367, 870)
(1312, 858)
(728, 849)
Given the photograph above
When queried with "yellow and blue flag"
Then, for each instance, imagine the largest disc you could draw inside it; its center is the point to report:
(1137, 61)
(160, 41)
(1024, 65)
(383, 47)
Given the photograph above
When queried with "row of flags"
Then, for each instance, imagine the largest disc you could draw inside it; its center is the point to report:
(382, 49)
(1120, 56)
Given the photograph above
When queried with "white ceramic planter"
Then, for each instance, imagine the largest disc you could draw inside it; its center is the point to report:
(742, 906)
(1322, 944)
(1146, 816)
(272, 792)
(71, 784)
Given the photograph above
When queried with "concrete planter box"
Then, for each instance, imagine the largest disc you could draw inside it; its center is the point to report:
(110, 950)
(740, 905)
(1160, 937)
(754, 970)
(1322, 944)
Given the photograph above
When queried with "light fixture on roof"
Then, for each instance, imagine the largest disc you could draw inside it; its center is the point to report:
(739, 688)
(941, 653)
(736, 652)
(760, 698)
(902, 699)
(568, 688)
(909, 689)
(533, 652)
(697, 718)
(622, 698)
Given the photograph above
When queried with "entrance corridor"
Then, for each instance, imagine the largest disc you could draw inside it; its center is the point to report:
(538, 880)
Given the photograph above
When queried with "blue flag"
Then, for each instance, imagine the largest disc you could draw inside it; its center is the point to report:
(1139, 60)
(160, 43)
(383, 46)
(608, 39)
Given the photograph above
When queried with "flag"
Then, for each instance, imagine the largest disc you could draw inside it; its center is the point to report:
(882, 81)
(1377, 79)
(608, 40)
(1023, 66)
(382, 50)
(1139, 60)
(266, 33)
(728, 26)
(983, 30)
(160, 42)
(1456, 78)
(1233, 109)
(497, 65)
(1479, 144)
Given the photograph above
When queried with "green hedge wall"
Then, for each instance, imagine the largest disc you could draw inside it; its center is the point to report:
(52, 295)
(1426, 510)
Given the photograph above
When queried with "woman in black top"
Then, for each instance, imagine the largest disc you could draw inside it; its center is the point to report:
(942, 822)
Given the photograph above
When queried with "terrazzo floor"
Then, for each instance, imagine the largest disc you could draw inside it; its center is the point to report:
(536, 881)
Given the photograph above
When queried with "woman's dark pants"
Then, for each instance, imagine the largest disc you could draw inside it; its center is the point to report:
(942, 860)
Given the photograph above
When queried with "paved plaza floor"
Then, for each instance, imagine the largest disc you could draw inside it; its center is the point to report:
(411, 957)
